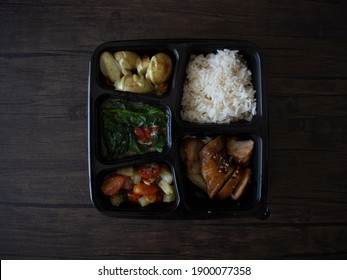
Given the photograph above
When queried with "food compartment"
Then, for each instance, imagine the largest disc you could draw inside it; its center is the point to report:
(191, 201)
(220, 84)
(137, 69)
(131, 128)
(220, 168)
(142, 187)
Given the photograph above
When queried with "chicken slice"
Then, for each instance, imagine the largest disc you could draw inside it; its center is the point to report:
(230, 184)
(215, 167)
(240, 150)
(241, 186)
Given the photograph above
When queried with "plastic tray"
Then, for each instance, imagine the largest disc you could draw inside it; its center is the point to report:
(190, 202)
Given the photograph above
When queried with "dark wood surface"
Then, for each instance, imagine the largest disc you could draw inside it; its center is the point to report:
(45, 209)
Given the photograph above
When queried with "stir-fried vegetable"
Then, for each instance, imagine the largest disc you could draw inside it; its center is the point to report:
(143, 185)
(131, 128)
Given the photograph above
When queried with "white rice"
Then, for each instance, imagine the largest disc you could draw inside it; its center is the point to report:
(218, 89)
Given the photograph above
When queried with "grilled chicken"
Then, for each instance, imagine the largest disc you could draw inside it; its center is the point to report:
(218, 167)
(230, 184)
(241, 186)
(215, 167)
(240, 150)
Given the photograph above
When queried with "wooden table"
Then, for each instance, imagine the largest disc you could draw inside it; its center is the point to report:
(45, 209)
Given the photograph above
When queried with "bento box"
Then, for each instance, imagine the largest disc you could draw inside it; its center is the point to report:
(178, 129)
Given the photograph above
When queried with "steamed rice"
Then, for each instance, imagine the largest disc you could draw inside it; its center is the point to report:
(218, 89)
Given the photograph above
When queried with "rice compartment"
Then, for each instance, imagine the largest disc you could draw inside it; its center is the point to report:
(218, 89)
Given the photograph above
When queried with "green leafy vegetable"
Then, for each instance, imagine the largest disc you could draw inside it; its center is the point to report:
(118, 120)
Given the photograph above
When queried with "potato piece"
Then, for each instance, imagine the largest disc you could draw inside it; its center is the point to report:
(161, 89)
(159, 69)
(109, 67)
(134, 83)
(142, 65)
(127, 60)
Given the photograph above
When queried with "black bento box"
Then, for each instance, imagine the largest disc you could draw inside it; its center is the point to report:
(190, 202)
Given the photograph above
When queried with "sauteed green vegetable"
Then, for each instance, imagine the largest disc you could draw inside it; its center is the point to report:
(131, 128)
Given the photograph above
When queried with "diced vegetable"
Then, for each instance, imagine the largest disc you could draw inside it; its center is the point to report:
(126, 171)
(136, 178)
(149, 183)
(113, 185)
(128, 185)
(149, 170)
(151, 197)
(144, 201)
(144, 189)
(169, 197)
(133, 197)
(117, 199)
(167, 188)
(166, 175)
(149, 180)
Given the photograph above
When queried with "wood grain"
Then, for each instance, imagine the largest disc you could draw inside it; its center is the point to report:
(45, 209)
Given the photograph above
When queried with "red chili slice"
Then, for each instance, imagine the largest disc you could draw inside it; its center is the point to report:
(143, 134)
(148, 132)
(139, 132)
